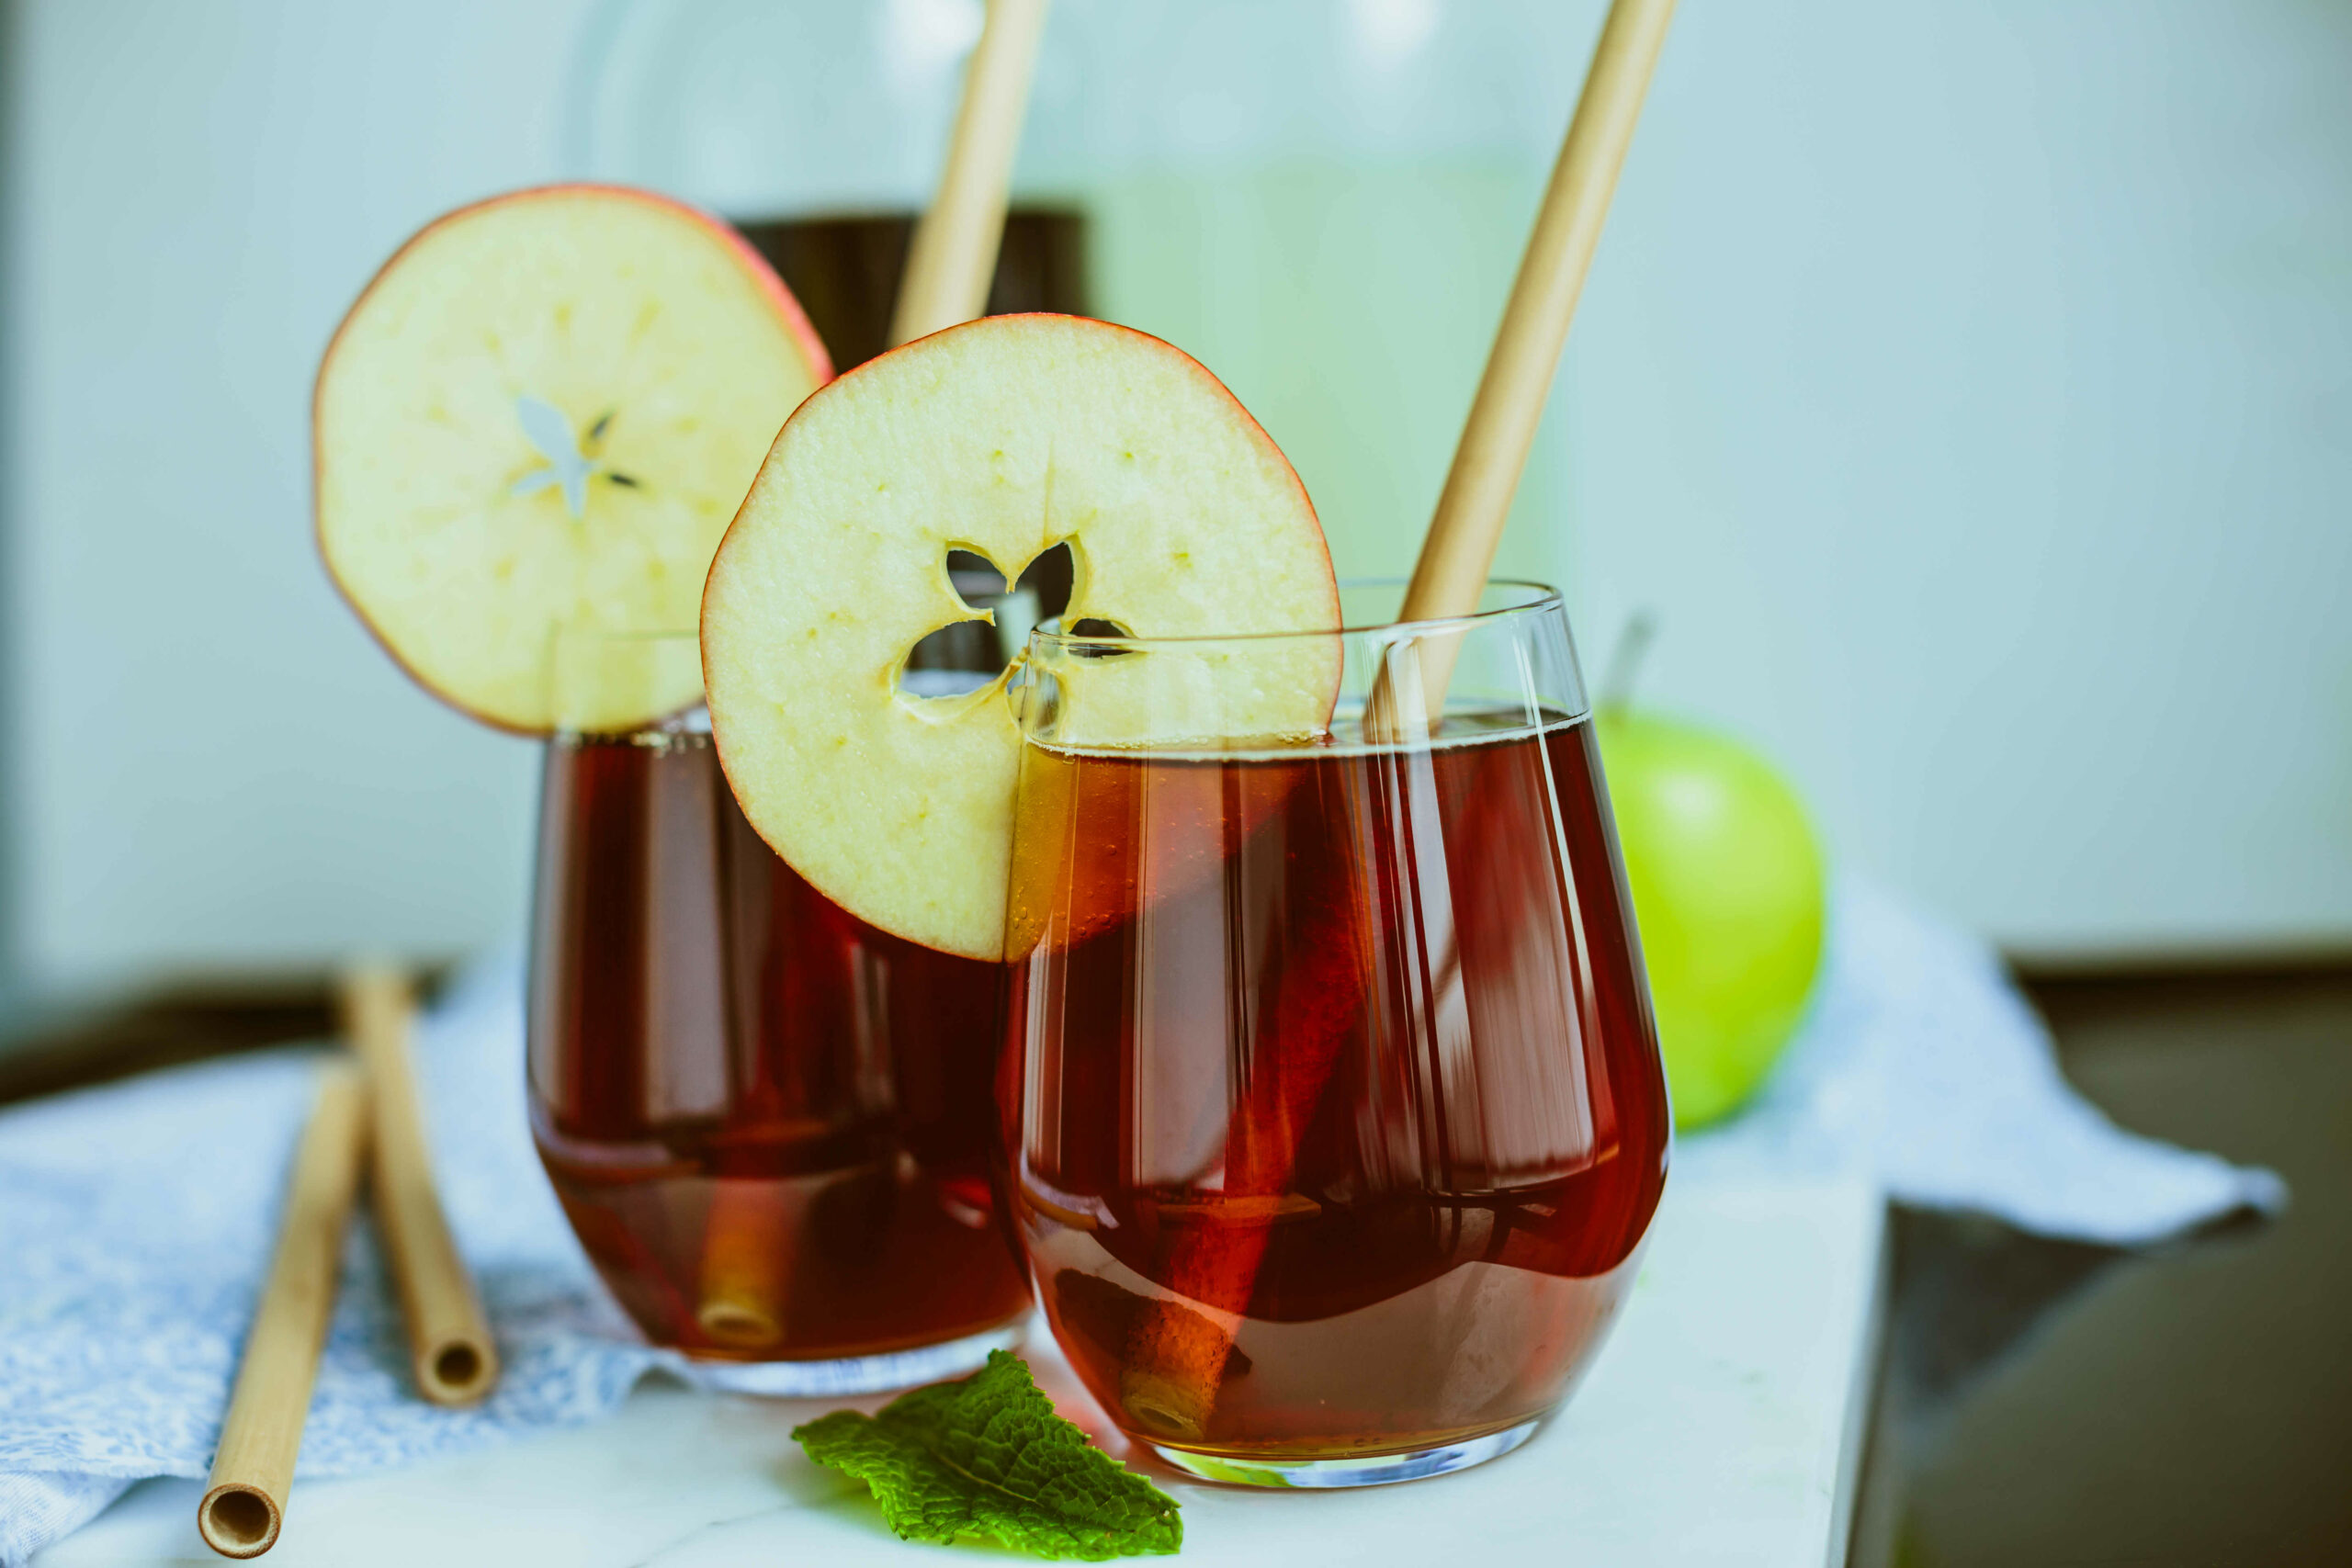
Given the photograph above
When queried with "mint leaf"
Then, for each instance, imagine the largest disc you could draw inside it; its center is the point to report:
(987, 1456)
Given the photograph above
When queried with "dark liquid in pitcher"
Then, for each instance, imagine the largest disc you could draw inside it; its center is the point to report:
(771, 1124)
(1344, 1119)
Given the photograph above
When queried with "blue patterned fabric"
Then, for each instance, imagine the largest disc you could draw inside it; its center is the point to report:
(136, 1222)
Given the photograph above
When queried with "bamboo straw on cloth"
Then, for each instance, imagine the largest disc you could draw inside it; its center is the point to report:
(245, 1504)
(952, 257)
(1176, 1355)
(449, 1344)
(1460, 547)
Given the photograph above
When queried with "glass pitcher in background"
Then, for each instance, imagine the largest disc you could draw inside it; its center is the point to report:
(1322, 201)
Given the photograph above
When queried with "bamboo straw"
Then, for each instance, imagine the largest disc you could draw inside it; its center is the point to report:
(450, 1349)
(952, 257)
(245, 1505)
(747, 1241)
(1177, 1355)
(746, 1266)
(1178, 1351)
(1460, 547)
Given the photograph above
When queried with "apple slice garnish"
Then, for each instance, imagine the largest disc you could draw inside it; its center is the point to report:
(1005, 438)
(539, 418)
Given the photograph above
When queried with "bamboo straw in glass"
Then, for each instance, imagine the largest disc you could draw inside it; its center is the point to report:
(245, 1504)
(1177, 1354)
(450, 1349)
(949, 265)
(1459, 549)
(953, 256)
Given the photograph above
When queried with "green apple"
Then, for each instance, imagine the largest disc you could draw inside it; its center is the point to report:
(1728, 885)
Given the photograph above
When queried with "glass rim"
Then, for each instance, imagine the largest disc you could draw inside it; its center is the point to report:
(1537, 598)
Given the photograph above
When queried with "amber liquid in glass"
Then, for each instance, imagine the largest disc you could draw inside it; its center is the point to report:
(771, 1124)
(1342, 1119)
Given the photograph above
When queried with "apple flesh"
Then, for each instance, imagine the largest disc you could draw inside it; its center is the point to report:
(1005, 438)
(538, 419)
(1727, 887)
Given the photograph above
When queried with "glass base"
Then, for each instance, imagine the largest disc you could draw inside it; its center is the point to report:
(1373, 1469)
(851, 1375)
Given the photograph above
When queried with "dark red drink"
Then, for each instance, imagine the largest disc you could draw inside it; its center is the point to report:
(1342, 1119)
(771, 1124)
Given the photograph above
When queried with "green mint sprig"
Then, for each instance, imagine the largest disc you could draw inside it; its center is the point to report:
(987, 1456)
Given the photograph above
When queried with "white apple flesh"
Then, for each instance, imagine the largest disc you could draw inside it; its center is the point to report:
(539, 418)
(1005, 438)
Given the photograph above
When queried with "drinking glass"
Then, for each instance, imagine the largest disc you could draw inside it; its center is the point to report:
(1337, 1116)
(771, 1124)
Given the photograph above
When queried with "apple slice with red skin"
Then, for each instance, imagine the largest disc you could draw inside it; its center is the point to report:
(1003, 437)
(541, 417)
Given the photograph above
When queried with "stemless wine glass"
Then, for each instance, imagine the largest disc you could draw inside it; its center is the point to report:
(1338, 1120)
(771, 1124)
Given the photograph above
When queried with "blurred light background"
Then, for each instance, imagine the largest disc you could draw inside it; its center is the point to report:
(1965, 387)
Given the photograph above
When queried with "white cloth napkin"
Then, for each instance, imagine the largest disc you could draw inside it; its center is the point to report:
(1921, 1065)
(136, 1220)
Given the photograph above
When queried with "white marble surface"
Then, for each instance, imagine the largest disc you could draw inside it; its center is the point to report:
(1718, 1427)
